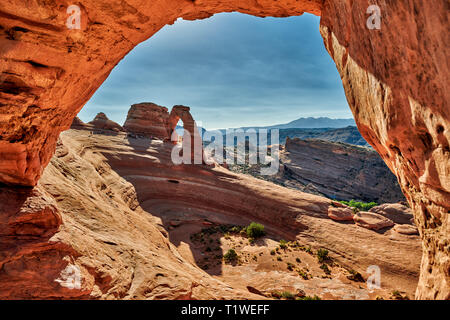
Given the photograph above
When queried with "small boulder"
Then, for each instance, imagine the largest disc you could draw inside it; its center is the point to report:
(373, 221)
(300, 293)
(396, 212)
(340, 214)
(255, 291)
(406, 229)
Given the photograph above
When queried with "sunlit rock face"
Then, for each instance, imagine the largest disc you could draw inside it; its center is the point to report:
(148, 119)
(395, 83)
(395, 80)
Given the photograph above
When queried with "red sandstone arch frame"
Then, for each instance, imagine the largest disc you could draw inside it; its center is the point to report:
(395, 80)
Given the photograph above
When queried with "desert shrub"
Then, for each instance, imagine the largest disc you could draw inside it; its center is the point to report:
(279, 259)
(325, 268)
(290, 266)
(303, 274)
(363, 206)
(309, 298)
(287, 295)
(272, 252)
(255, 230)
(297, 260)
(236, 229)
(398, 296)
(283, 244)
(322, 255)
(230, 256)
(355, 276)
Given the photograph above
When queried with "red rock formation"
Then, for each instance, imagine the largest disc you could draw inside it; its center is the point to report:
(340, 214)
(338, 171)
(395, 80)
(147, 119)
(372, 220)
(191, 135)
(395, 211)
(29, 262)
(406, 229)
(77, 123)
(396, 83)
(102, 122)
(122, 202)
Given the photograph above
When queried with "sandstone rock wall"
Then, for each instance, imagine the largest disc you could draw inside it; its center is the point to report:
(396, 83)
(395, 79)
(339, 171)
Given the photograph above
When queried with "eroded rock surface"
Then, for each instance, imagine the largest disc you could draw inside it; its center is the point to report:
(116, 214)
(338, 171)
(396, 212)
(340, 214)
(148, 119)
(406, 229)
(372, 220)
(102, 122)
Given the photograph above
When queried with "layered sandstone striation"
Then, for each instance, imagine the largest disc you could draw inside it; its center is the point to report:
(116, 214)
(338, 171)
(394, 79)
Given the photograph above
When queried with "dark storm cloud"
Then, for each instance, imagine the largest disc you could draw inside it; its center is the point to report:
(232, 69)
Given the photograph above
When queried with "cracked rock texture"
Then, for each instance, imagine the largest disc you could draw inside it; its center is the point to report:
(395, 79)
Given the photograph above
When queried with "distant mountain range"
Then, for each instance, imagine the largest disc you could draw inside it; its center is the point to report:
(349, 135)
(310, 123)
(327, 129)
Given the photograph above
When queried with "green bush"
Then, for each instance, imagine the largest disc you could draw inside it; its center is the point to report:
(322, 255)
(363, 206)
(255, 230)
(303, 274)
(287, 295)
(325, 268)
(309, 298)
(283, 244)
(230, 256)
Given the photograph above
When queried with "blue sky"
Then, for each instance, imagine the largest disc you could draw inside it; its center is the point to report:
(232, 70)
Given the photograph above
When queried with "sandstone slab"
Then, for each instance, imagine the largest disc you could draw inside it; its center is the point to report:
(396, 212)
(340, 214)
(373, 221)
(406, 229)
